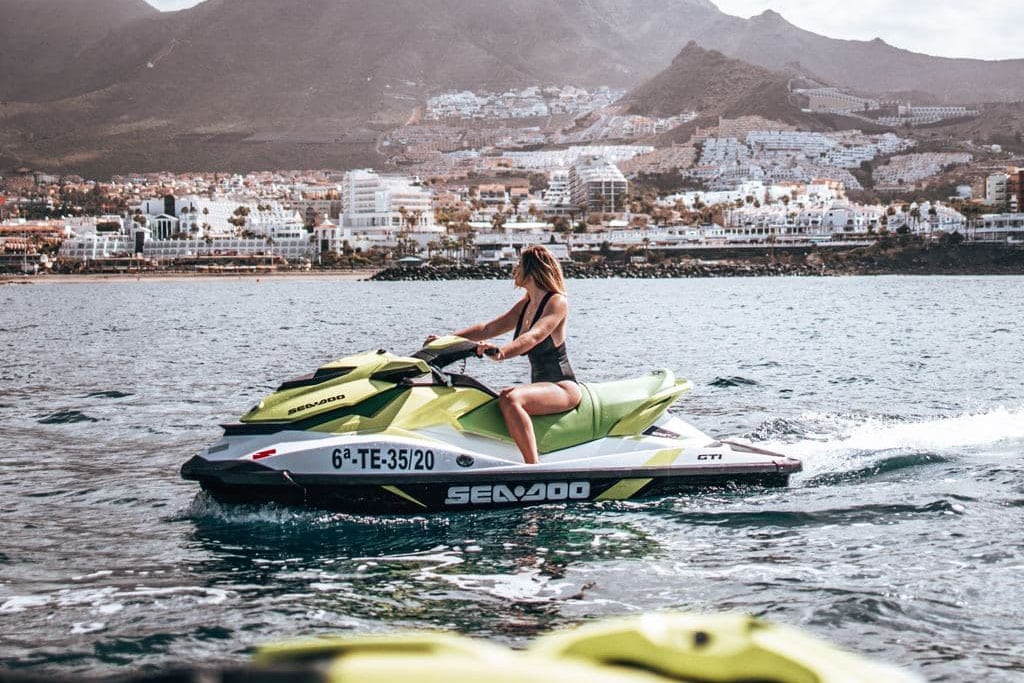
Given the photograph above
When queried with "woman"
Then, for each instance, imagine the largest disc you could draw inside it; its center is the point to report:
(539, 323)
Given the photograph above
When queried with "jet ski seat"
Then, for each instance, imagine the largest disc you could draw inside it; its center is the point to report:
(618, 408)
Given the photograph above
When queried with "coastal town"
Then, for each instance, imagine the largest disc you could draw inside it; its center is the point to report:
(475, 177)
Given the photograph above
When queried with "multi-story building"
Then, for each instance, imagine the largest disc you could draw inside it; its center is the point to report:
(781, 221)
(1003, 227)
(596, 184)
(1015, 190)
(557, 197)
(386, 203)
(997, 190)
(275, 222)
(93, 246)
(172, 215)
(836, 101)
(493, 196)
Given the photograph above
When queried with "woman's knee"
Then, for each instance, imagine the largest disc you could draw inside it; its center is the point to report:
(509, 398)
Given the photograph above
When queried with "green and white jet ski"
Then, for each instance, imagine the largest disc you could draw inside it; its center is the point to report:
(379, 433)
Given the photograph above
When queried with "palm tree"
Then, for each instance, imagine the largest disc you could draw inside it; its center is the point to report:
(442, 218)
(498, 220)
(409, 220)
(915, 214)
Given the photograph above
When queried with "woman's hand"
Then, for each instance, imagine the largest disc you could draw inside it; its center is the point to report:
(490, 350)
(429, 339)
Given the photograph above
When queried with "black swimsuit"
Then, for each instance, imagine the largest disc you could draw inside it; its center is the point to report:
(548, 363)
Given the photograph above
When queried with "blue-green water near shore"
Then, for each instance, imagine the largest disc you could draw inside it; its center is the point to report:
(903, 538)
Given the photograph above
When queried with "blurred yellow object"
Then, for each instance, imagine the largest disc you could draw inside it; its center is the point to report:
(652, 648)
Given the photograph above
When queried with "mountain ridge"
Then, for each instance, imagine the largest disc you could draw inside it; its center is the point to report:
(198, 88)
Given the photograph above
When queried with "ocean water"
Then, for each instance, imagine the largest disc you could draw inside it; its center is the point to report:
(903, 539)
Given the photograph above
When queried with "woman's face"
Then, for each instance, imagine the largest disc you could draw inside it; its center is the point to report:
(518, 278)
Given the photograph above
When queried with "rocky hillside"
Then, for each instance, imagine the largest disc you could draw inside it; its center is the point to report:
(708, 82)
(101, 86)
(233, 84)
(42, 42)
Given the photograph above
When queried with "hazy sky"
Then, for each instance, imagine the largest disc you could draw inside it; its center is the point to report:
(987, 29)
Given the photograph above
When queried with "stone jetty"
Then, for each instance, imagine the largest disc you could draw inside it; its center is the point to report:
(591, 271)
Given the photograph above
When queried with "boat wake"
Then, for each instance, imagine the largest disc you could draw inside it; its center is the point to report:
(836, 447)
(204, 508)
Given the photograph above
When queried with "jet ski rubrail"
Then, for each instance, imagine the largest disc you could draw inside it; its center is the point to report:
(380, 433)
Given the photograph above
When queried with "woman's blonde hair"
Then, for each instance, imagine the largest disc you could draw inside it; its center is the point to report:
(541, 265)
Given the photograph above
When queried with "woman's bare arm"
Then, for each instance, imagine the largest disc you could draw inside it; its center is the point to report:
(554, 313)
(505, 322)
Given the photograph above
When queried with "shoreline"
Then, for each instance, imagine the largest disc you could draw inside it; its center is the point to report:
(161, 276)
(894, 258)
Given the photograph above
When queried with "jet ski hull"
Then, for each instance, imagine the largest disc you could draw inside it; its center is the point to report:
(410, 495)
(447, 489)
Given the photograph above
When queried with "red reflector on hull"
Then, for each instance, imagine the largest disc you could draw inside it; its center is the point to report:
(264, 454)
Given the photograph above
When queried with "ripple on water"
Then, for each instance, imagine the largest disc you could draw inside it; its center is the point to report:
(732, 382)
(109, 394)
(65, 417)
(864, 514)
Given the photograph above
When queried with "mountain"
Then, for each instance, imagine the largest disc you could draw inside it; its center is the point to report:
(235, 84)
(241, 83)
(42, 41)
(869, 66)
(708, 82)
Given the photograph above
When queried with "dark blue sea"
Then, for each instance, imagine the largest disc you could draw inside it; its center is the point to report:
(903, 539)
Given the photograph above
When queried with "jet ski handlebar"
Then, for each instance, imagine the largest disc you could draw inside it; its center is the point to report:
(444, 351)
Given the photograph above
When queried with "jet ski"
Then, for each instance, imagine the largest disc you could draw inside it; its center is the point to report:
(378, 433)
(661, 647)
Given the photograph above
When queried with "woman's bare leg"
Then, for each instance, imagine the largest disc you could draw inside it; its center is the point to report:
(545, 398)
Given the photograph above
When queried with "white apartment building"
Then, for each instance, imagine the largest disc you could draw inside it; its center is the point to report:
(752, 223)
(997, 189)
(272, 220)
(909, 115)
(596, 184)
(790, 142)
(190, 214)
(936, 113)
(1001, 227)
(927, 218)
(328, 236)
(92, 246)
(836, 101)
(557, 197)
(386, 203)
(908, 169)
(793, 194)
(553, 159)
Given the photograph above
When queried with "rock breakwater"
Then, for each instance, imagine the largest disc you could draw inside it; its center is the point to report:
(584, 271)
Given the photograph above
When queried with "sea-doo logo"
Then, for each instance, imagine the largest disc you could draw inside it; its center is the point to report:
(322, 402)
(490, 494)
